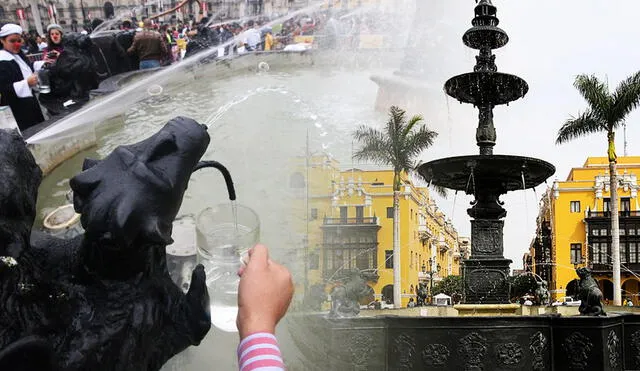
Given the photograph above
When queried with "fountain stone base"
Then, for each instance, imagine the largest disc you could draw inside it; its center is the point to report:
(539, 343)
(485, 281)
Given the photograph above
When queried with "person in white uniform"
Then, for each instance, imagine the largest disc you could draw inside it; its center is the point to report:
(17, 79)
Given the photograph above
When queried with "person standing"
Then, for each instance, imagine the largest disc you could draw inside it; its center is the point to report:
(149, 46)
(17, 79)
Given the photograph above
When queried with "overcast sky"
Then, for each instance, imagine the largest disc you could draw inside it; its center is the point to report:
(551, 41)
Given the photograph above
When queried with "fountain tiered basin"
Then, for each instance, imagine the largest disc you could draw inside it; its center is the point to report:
(504, 173)
(480, 88)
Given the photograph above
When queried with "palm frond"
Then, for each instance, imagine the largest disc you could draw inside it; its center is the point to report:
(374, 145)
(417, 141)
(595, 92)
(413, 121)
(442, 191)
(626, 98)
(575, 127)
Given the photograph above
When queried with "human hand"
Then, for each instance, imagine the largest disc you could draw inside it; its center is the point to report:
(32, 80)
(51, 56)
(264, 293)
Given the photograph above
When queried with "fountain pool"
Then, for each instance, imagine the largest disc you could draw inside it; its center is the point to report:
(259, 123)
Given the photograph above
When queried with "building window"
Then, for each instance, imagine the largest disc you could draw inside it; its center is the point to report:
(596, 253)
(390, 212)
(633, 252)
(606, 205)
(623, 253)
(576, 253)
(575, 206)
(622, 231)
(388, 259)
(625, 206)
(314, 214)
(632, 232)
(343, 214)
(595, 232)
(603, 232)
(359, 214)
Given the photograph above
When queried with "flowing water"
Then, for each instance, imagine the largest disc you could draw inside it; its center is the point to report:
(258, 127)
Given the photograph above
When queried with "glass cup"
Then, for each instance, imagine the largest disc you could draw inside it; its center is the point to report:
(44, 86)
(225, 233)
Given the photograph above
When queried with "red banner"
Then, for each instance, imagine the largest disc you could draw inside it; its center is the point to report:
(20, 14)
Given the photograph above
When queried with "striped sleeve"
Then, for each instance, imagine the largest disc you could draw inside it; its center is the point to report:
(260, 352)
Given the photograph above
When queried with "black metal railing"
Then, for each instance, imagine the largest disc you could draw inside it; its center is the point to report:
(351, 221)
(607, 214)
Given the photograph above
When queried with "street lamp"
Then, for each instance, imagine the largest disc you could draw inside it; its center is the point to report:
(430, 273)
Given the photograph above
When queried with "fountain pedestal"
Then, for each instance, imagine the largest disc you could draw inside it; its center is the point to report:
(486, 176)
(485, 273)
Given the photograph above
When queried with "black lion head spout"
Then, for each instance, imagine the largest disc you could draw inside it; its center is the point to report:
(20, 178)
(134, 194)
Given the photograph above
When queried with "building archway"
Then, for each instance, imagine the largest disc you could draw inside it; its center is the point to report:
(631, 290)
(607, 289)
(387, 294)
(572, 288)
(109, 12)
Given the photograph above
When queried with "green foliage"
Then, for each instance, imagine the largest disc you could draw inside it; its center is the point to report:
(399, 144)
(606, 110)
(522, 285)
(450, 285)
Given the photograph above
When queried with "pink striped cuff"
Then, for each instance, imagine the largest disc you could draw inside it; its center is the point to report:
(260, 352)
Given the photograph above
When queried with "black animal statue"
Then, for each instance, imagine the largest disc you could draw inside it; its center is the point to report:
(589, 294)
(104, 300)
(422, 295)
(542, 293)
(345, 296)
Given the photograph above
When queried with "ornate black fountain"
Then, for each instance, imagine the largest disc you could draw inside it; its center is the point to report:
(590, 341)
(486, 176)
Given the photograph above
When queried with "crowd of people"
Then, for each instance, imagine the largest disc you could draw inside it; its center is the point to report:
(57, 71)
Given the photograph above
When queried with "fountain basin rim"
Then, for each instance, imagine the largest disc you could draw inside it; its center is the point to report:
(482, 87)
(473, 41)
(498, 171)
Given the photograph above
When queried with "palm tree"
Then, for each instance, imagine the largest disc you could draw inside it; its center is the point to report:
(397, 145)
(606, 112)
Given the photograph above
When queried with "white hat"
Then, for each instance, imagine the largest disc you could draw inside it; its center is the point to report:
(10, 29)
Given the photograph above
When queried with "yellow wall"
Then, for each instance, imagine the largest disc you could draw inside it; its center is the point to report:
(589, 185)
(330, 189)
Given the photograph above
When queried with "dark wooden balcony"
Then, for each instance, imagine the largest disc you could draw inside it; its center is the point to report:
(608, 268)
(369, 221)
(607, 214)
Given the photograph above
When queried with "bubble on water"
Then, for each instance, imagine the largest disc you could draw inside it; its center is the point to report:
(154, 90)
(263, 67)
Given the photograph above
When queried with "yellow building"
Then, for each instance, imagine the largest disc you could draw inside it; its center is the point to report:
(573, 229)
(350, 226)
